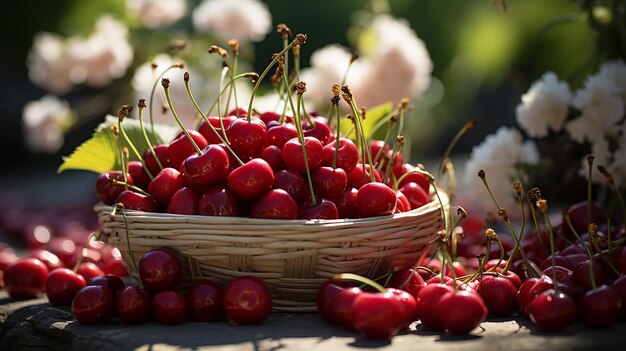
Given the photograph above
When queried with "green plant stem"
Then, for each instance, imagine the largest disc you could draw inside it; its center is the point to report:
(152, 91)
(134, 188)
(134, 150)
(302, 144)
(145, 136)
(360, 279)
(338, 136)
(180, 124)
(219, 104)
(587, 251)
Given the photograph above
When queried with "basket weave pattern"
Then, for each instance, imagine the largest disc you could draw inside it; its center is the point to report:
(294, 257)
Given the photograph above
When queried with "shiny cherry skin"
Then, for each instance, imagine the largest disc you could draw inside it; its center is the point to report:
(165, 184)
(275, 204)
(325, 294)
(89, 270)
(205, 301)
(581, 275)
(113, 282)
(523, 295)
(136, 201)
(247, 300)
(208, 133)
(340, 307)
(378, 316)
(408, 303)
(578, 215)
(294, 158)
(427, 300)
(51, 260)
(346, 204)
(292, 182)
(321, 131)
(107, 190)
(218, 201)
(248, 137)
(185, 201)
(139, 174)
(134, 305)
(408, 280)
(600, 308)
(93, 304)
(499, 294)
(180, 148)
(464, 311)
(415, 194)
(25, 278)
(356, 177)
(207, 169)
(375, 199)
(329, 183)
(150, 161)
(552, 311)
(169, 307)
(347, 154)
(62, 285)
(251, 180)
(273, 155)
(159, 270)
(325, 209)
(281, 134)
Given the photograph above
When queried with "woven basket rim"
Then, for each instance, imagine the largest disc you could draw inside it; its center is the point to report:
(433, 205)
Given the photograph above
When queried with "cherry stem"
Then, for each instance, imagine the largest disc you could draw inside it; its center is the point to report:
(365, 145)
(608, 232)
(298, 124)
(219, 106)
(233, 88)
(546, 218)
(206, 120)
(176, 65)
(537, 229)
(518, 245)
(338, 137)
(165, 83)
(587, 250)
(468, 125)
(223, 91)
(589, 174)
(134, 188)
(122, 159)
(133, 148)
(81, 257)
(593, 231)
(360, 279)
(391, 162)
(142, 106)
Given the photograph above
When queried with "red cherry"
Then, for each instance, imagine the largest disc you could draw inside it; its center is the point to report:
(619, 285)
(89, 270)
(239, 112)
(25, 278)
(115, 283)
(600, 308)
(207, 169)
(415, 194)
(578, 215)
(375, 199)
(294, 158)
(165, 185)
(418, 178)
(150, 161)
(134, 306)
(559, 260)
(269, 116)
(180, 148)
(273, 155)
(378, 316)
(581, 275)
(347, 155)
(499, 294)
(325, 294)
(107, 190)
(523, 295)
(7, 256)
(356, 178)
(208, 133)
(321, 131)
(403, 201)
(139, 174)
(329, 183)
(136, 201)
(408, 303)
(247, 300)
(552, 311)
(93, 304)
(51, 260)
(275, 204)
(408, 280)
(184, 201)
(563, 274)
(340, 307)
(379, 155)
(346, 204)
(290, 181)
(218, 201)
(281, 134)
(62, 285)
(324, 209)
(205, 302)
(169, 307)
(464, 311)
(251, 180)
(247, 137)
(427, 302)
(115, 267)
(159, 270)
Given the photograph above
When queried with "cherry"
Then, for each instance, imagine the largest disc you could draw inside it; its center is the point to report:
(62, 284)
(218, 201)
(356, 177)
(579, 217)
(269, 116)
(329, 183)
(403, 201)
(414, 177)
(150, 161)
(600, 308)
(8, 256)
(408, 280)
(51, 260)
(251, 180)
(93, 304)
(113, 282)
(292, 182)
(184, 201)
(581, 275)
(205, 301)
(340, 307)
(499, 294)
(427, 305)
(169, 307)
(325, 294)
(408, 303)
(25, 278)
(281, 134)
(347, 154)
(275, 204)
(415, 194)
(294, 158)
(523, 295)
(180, 148)
(89, 270)
(378, 316)
(436, 279)
(375, 199)
(619, 285)
(207, 169)
(552, 311)
(107, 190)
(136, 201)
(248, 137)
(208, 133)
(563, 274)
(166, 184)
(159, 270)
(134, 306)
(115, 267)
(346, 204)
(325, 209)
(139, 174)
(237, 112)
(273, 155)
(559, 260)
(464, 311)
(247, 300)
(321, 131)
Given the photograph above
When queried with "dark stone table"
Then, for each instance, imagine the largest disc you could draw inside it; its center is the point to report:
(37, 325)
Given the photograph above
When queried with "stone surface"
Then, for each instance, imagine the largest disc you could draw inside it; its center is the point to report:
(37, 325)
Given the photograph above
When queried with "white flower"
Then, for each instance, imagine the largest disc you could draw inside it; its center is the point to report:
(245, 20)
(157, 13)
(44, 121)
(47, 63)
(498, 155)
(615, 71)
(601, 107)
(602, 156)
(102, 57)
(544, 106)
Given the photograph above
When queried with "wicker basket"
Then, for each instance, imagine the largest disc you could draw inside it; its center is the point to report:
(294, 257)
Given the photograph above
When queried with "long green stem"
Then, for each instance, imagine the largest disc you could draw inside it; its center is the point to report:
(176, 65)
(360, 279)
(298, 124)
(134, 150)
(587, 251)
(469, 125)
(180, 124)
(338, 136)
(219, 105)
(142, 106)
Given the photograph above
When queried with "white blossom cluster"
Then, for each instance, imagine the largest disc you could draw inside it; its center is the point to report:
(44, 122)
(157, 13)
(244, 20)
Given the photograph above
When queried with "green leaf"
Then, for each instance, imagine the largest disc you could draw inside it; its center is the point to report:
(100, 153)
